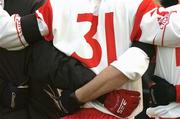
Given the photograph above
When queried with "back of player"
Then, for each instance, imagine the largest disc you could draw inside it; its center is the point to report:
(97, 32)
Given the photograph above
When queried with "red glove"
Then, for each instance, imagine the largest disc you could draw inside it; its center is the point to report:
(122, 102)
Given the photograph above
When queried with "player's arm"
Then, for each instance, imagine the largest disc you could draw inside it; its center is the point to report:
(11, 35)
(18, 32)
(161, 27)
(128, 67)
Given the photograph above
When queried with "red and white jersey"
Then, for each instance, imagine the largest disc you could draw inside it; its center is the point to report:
(97, 32)
(161, 26)
(11, 36)
(164, 30)
(168, 67)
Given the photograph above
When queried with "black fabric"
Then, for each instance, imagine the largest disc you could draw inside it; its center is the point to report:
(69, 104)
(2, 86)
(13, 66)
(48, 65)
(162, 92)
(43, 66)
(147, 48)
(167, 3)
(22, 7)
(27, 113)
(42, 102)
(51, 68)
(30, 29)
(13, 73)
(15, 98)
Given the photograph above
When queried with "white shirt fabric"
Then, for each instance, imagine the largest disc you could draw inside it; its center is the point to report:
(11, 36)
(164, 30)
(97, 32)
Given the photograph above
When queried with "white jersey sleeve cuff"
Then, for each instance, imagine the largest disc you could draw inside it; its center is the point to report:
(11, 36)
(133, 63)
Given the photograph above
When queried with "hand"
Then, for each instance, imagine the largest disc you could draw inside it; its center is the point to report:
(68, 103)
(122, 102)
(162, 93)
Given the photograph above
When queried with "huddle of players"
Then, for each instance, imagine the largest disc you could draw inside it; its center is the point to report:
(52, 78)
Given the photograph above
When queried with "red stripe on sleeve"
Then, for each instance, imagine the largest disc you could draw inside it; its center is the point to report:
(47, 12)
(18, 28)
(144, 7)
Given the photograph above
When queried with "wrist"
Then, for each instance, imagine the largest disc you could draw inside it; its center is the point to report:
(78, 96)
(75, 98)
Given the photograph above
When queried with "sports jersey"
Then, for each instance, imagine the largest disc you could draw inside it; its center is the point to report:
(97, 32)
(16, 32)
(164, 31)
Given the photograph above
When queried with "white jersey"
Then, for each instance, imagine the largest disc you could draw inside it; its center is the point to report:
(168, 67)
(17, 32)
(97, 32)
(164, 30)
(11, 36)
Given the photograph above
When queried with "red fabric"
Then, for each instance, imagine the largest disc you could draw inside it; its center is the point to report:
(46, 11)
(144, 7)
(89, 113)
(122, 102)
(178, 93)
(170, 118)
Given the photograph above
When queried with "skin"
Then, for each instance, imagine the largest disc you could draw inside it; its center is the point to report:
(108, 80)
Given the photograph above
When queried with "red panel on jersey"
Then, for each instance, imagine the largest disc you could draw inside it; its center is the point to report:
(110, 38)
(46, 11)
(144, 7)
(178, 93)
(177, 56)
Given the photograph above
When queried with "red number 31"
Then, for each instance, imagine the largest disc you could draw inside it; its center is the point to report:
(96, 48)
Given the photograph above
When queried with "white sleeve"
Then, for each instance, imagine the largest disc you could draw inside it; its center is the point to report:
(133, 63)
(11, 36)
(161, 26)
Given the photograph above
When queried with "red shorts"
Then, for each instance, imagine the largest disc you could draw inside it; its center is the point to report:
(89, 113)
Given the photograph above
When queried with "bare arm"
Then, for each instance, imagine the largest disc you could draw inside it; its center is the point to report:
(128, 67)
(108, 80)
